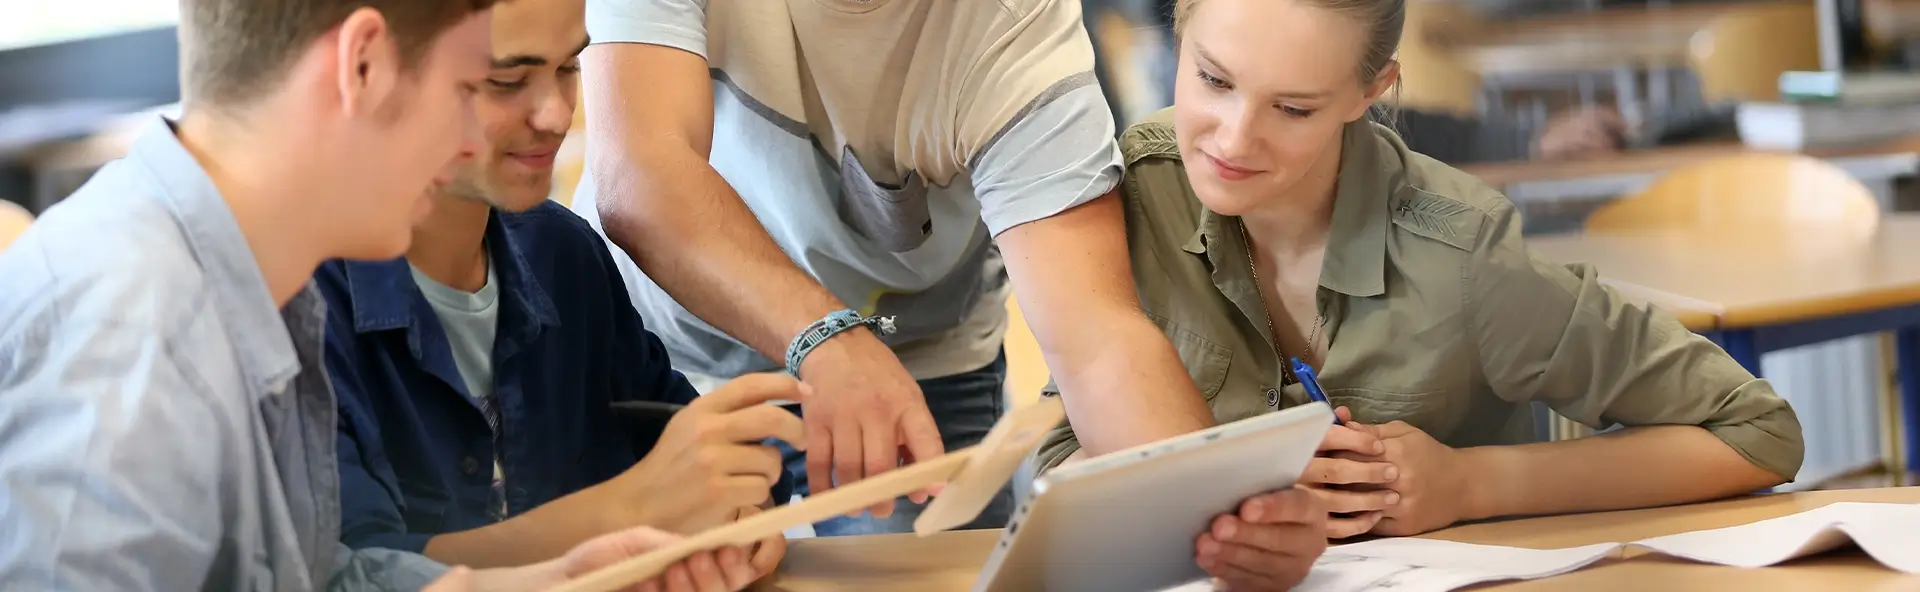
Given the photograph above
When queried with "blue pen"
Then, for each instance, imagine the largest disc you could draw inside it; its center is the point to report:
(1304, 373)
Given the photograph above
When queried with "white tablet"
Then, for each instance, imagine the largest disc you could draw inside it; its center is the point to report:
(1128, 520)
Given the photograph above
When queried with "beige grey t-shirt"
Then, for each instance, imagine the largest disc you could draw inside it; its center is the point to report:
(883, 144)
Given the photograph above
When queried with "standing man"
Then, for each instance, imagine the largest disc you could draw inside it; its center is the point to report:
(789, 175)
(167, 422)
(476, 375)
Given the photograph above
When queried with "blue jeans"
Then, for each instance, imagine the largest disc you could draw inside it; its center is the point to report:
(965, 407)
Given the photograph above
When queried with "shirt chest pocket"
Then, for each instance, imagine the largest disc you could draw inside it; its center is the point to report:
(1426, 409)
(895, 217)
(427, 513)
(1206, 361)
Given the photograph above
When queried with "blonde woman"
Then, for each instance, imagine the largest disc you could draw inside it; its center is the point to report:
(1269, 219)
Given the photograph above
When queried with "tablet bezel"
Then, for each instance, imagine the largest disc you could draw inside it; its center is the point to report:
(1073, 503)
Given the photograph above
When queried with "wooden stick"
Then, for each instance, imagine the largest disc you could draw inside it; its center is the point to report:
(836, 502)
(1011, 439)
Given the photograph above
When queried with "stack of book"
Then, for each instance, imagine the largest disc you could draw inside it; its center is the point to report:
(1828, 109)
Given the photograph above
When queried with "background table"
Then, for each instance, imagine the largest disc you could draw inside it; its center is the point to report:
(1769, 293)
(952, 561)
(1875, 164)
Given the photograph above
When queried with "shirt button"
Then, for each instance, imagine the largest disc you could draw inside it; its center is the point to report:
(470, 465)
(1273, 397)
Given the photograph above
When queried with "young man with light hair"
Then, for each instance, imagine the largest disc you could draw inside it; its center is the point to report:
(168, 423)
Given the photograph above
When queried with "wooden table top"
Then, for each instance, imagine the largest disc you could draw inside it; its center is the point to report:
(1754, 280)
(1656, 160)
(952, 561)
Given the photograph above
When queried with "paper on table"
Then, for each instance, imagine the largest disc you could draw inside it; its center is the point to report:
(1425, 565)
(1884, 531)
(1890, 533)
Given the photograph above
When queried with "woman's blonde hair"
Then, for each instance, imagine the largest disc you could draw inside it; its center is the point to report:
(1383, 19)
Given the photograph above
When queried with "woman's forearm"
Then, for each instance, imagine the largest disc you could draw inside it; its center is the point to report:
(1632, 468)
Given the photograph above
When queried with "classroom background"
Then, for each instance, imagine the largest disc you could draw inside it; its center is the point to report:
(1758, 180)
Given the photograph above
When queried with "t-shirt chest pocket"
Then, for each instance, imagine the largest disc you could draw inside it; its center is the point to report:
(895, 217)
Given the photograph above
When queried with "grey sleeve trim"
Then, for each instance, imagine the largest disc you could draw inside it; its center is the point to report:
(786, 124)
(1046, 97)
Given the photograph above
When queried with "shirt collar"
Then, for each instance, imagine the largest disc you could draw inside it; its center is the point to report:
(1355, 262)
(253, 321)
(384, 296)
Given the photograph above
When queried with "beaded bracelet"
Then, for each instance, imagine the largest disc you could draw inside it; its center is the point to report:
(833, 324)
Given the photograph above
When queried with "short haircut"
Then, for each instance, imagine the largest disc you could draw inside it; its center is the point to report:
(236, 50)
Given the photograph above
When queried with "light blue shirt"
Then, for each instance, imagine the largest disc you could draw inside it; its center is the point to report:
(163, 426)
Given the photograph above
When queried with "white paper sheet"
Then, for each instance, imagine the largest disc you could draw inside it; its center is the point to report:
(1423, 565)
(1890, 533)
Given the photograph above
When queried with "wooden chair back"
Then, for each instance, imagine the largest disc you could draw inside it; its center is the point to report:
(571, 162)
(1026, 367)
(1756, 193)
(13, 222)
(1739, 57)
(1431, 78)
(1755, 211)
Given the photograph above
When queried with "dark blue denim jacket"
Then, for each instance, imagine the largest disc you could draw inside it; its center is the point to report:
(416, 452)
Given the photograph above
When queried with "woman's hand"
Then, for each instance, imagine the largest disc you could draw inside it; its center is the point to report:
(1348, 477)
(1430, 483)
(1268, 545)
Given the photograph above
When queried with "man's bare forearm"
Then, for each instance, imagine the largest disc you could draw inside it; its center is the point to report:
(1633, 468)
(1120, 378)
(650, 118)
(1128, 387)
(691, 233)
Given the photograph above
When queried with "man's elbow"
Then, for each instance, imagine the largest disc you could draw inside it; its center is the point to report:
(633, 185)
(620, 199)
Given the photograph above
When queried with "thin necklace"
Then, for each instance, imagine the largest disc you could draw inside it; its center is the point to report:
(1313, 337)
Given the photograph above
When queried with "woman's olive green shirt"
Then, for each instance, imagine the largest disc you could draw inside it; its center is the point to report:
(1436, 313)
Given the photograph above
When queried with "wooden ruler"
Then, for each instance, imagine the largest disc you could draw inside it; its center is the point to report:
(972, 476)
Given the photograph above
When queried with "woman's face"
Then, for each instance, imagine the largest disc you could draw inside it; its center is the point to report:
(1264, 88)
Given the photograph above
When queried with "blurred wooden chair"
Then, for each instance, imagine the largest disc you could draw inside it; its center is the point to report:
(1431, 78)
(571, 162)
(13, 222)
(1740, 55)
(1768, 196)
(568, 166)
(1026, 367)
